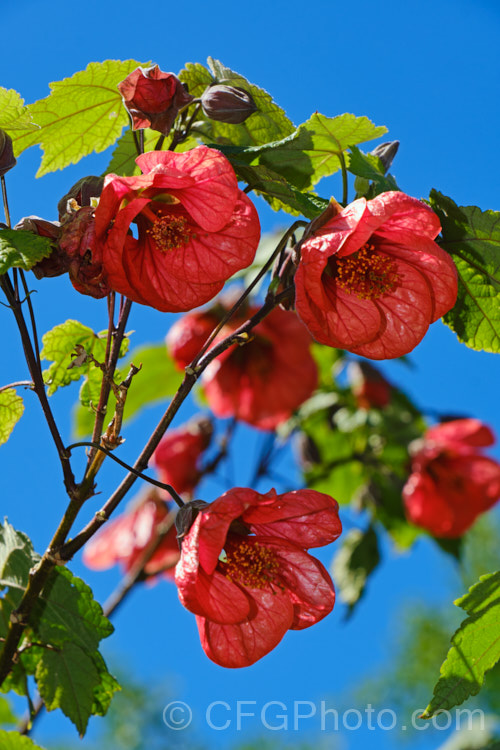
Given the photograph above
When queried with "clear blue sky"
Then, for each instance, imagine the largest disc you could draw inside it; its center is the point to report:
(430, 73)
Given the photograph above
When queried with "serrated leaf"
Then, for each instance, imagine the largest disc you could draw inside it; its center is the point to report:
(83, 114)
(59, 344)
(104, 691)
(278, 192)
(315, 149)
(16, 741)
(472, 237)
(11, 411)
(13, 114)
(475, 647)
(157, 380)
(17, 556)
(124, 156)
(268, 124)
(67, 678)
(20, 249)
(353, 564)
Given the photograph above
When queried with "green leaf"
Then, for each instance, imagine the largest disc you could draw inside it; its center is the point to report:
(11, 411)
(315, 149)
(268, 124)
(369, 167)
(16, 557)
(13, 114)
(6, 714)
(472, 237)
(353, 564)
(475, 646)
(67, 678)
(59, 344)
(106, 688)
(20, 249)
(124, 156)
(15, 741)
(157, 380)
(83, 114)
(278, 192)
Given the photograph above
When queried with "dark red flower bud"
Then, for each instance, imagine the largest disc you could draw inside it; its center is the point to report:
(84, 259)
(153, 98)
(7, 158)
(227, 103)
(57, 263)
(82, 192)
(386, 153)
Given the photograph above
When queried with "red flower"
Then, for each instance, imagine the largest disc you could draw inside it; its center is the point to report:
(177, 457)
(262, 382)
(371, 280)
(452, 482)
(370, 388)
(245, 572)
(153, 98)
(124, 539)
(195, 228)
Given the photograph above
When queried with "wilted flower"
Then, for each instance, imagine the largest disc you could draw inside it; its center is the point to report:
(56, 263)
(78, 243)
(177, 457)
(124, 539)
(153, 98)
(451, 482)
(195, 228)
(247, 576)
(262, 382)
(84, 192)
(371, 279)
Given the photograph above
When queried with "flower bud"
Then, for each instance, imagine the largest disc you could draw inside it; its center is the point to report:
(153, 98)
(386, 153)
(187, 516)
(82, 192)
(227, 103)
(57, 263)
(78, 243)
(7, 158)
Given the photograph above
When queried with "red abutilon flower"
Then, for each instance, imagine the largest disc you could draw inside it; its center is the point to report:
(124, 539)
(369, 387)
(262, 382)
(247, 576)
(371, 279)
(177, 457)
(451, 482)
(195, 229)
(153, 98)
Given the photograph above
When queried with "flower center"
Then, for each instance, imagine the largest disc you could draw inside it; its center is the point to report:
(169, 232)
(365, 273)
(250, 564)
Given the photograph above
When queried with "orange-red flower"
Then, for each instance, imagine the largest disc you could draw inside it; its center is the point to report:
(195, 228)
(371, 280)
(124, 539)
(247, 576)
(452, 483)
(262, 382)
(177, 457)
(153, 98)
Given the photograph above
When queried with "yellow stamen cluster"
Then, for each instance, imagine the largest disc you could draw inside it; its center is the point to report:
(170, 232)
(366, 274)
(250, 565)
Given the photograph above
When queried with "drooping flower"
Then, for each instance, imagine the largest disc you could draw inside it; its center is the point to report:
(247, 576)
(195, 228)
(177, 457)
(371, 279)
(77, 244)
(370, 388)
(153, 98)
(451, 482)
(124, 539)
(262, 382)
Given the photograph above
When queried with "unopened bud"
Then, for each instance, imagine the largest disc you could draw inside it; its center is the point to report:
(7, 158)
(82, 192)
(386, 153)
(227, 103)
